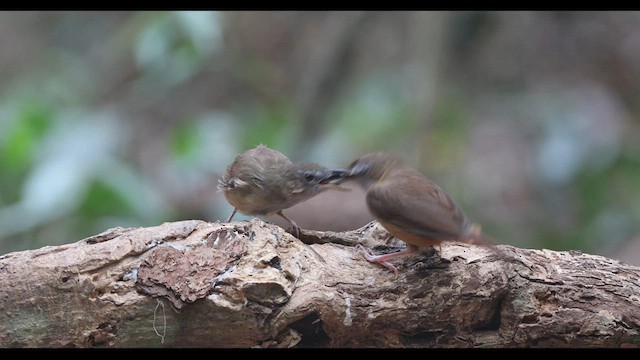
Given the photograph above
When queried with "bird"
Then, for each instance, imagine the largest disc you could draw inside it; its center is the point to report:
(263, 181)
(409, 205)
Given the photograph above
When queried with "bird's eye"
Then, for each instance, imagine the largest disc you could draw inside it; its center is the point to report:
(309, 177)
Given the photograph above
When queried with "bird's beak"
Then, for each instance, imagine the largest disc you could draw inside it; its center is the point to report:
(335, 177)
(359, 169)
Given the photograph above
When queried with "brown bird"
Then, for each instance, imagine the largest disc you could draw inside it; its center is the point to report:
(263, 181)
(408, 205)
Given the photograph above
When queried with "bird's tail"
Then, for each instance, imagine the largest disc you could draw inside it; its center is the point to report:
(476, 237)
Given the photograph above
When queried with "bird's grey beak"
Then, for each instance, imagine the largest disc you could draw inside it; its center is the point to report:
(359, 169)
(335, 176)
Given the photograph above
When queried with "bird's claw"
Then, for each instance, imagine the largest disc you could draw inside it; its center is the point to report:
(375, 258)
(295, 231)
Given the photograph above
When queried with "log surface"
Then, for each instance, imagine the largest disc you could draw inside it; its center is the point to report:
(251, 284)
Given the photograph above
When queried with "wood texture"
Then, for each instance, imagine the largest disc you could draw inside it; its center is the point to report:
(251, 284)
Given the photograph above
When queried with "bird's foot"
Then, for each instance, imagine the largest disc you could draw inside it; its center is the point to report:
(380, 259)
(294, 230)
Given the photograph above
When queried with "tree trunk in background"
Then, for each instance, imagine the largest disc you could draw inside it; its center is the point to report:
(251, 284)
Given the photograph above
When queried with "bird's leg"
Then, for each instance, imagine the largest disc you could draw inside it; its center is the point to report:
(296, 228)
(232, 214)
(382, 259)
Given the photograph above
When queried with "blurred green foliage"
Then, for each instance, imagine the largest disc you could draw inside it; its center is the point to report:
(128, 118)
(271, 126)
(22, 138)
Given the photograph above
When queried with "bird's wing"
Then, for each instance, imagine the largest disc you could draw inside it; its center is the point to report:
(249, 168)
(427, 212)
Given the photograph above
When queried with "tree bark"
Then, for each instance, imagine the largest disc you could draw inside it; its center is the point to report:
(251, 284)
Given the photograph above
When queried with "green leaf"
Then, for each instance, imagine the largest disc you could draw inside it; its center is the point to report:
(103, 200)
(185, 141)
(17, 147)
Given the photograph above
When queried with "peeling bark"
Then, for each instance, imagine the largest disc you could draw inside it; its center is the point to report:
(251, 284)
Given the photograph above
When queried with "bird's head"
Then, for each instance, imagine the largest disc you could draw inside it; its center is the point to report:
(311, 178)
(368, 169)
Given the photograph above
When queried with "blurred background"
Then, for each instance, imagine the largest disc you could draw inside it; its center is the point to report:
(529, 120)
